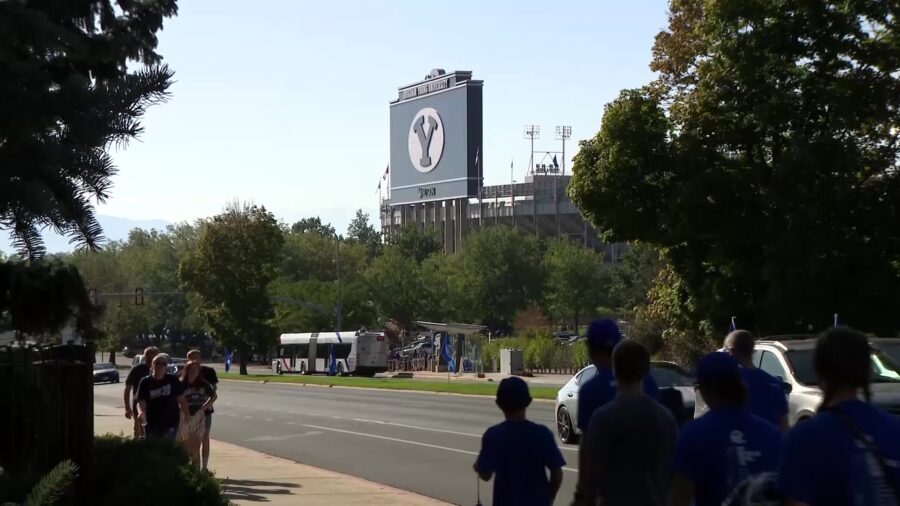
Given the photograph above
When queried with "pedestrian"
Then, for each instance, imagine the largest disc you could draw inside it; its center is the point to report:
(720, 450)
(200, 396)
(161, 400)
(848, 453)
(135, 375)
(519, 453)
(626, 453)
(602, 337)
(209, 375)
(766, 397)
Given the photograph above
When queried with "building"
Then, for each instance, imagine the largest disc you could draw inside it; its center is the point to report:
(436, 177)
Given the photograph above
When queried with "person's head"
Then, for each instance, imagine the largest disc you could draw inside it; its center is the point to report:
(150, 352)
(513, 396)
(602, 337)
(191, 373)
(630, 363)
(158, 366)
(739, 344)
(719, 380)
(842, 362)
(194, 355)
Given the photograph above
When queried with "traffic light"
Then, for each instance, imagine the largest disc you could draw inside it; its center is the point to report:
(139, 297)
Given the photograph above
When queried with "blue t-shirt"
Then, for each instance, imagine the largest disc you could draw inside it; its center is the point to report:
(601, 389)
(823, 463)
(722, 448)
(519, 454)
(765, 395)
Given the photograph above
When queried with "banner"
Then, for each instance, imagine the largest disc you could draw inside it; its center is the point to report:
(447, 354)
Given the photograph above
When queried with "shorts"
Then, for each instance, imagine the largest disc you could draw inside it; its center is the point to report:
(164, 433)
(208, 421)
(193, 428)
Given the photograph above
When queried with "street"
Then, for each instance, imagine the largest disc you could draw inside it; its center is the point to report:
(425, 443)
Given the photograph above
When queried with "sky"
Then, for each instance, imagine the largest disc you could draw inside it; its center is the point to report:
(285, 103)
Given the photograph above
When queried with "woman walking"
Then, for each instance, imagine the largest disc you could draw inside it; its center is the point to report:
(199, 395)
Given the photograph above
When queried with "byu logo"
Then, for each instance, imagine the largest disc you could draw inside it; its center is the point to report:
(426, 140)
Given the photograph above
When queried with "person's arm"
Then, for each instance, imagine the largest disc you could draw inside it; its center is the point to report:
(142, 405)
(484, 464)
(127, 399)
(211, 391)
(556, 476)
(681, 493)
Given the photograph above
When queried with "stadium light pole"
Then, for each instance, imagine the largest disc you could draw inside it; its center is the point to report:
(532, 132)
(563, 132)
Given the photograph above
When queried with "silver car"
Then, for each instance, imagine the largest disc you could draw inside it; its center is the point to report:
(666, 375)
(790, 358)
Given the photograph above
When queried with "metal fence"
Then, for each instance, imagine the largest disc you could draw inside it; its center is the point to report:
(46, 412)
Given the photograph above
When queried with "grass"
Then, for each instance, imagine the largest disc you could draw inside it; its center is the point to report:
(452, 386)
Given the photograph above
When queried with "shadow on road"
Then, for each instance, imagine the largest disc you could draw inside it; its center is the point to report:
(254, 490)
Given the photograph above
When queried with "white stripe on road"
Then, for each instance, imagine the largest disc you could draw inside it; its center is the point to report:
(398, 440)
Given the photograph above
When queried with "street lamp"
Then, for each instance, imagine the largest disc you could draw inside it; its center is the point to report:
(563, 132)
(532, 132)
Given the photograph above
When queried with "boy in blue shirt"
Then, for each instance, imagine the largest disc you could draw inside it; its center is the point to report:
(766, 397)
(848, 454)
(519, 452)
(602, 337)
(727, 445)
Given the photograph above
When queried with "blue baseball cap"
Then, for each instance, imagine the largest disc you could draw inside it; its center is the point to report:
(717, 367)
(513, 394)
(603, 334)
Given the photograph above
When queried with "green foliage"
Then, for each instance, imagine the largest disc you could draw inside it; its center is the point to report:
(43, 298)
(539, 352)
(362, 232)
(414, 243)
(237, 256)
(762, 163)
(148, 471)
(632, 277)
(577, 281)
(53, 485)
(313, 225)
(398, 289)
(68, 95)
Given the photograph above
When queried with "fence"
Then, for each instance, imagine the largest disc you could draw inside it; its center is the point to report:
(46, 412)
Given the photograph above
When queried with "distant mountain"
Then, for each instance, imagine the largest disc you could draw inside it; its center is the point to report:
(114, 229)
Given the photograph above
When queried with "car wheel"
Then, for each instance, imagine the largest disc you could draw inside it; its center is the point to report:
(564, 427)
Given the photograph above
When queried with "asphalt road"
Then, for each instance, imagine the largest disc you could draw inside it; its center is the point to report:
(425, 443)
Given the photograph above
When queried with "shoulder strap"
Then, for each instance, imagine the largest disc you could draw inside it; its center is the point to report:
(870, 446)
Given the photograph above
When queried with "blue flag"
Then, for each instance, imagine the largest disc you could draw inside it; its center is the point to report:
(447, 354)
(227, 360)
(732, 326)
(332, 366)
(555, 163)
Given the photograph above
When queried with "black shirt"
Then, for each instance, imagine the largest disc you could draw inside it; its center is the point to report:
(209, 375)
(197, 395)
(161, 397)
(135, 375)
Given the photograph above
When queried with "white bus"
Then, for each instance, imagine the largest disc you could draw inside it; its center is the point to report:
(359, 353)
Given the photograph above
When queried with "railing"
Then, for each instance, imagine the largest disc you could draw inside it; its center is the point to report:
(46, 412)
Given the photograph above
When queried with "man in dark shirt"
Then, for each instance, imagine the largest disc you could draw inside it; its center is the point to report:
(135, 375)
(161, 400)
(519, 453)
(765, 393)
(209, 375)
(627, 450)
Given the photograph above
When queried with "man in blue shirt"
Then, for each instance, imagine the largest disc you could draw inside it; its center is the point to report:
(766, 397)
(520, 453)
(848, 453)
(602, 337)
(727, 445)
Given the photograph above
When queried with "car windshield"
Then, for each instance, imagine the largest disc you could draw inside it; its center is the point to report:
(884, 369)
(102, 365)
(670, 376)
(892, 350)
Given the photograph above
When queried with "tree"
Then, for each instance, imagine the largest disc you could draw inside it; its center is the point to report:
(414, 243)
(763, 163)
(632, 278)
(398, 289)
(237, 257)
(68, 95)
(577, 281)
(362, 232)
(313, 225)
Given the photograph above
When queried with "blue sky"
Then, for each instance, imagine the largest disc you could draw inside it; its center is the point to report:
(285, 103)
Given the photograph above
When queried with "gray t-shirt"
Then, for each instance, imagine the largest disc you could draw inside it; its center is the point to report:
(628, 450)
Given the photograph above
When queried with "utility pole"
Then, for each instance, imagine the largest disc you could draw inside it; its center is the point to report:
(338, 310)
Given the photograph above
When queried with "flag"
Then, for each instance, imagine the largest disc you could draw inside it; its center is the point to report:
(447, 354)
(555, 163)
(227, 360)
(379, 187)
(732, 326)
(386, 171)
(477, 152)
(332, 365)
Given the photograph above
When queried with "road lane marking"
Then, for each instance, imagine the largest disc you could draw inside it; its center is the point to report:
(248, 417)
(268, 419)
(398, 440)
(282, 438)
(291, 423)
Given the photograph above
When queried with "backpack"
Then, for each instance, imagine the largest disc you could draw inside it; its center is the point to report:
(757, 490)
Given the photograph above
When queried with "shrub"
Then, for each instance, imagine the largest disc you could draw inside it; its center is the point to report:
(148, 471)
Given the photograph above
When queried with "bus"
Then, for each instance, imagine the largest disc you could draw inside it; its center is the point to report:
(360, 353)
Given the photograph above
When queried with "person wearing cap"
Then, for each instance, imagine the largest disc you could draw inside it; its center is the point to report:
(766, 397)
(626, 454)
(519, 453)
(718, 451)
(602, 337)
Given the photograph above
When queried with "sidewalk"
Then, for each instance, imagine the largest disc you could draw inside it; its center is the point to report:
(250, 477)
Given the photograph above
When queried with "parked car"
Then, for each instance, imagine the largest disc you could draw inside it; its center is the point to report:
(889, 345)
(667, 375)
(128, 352)
(790, 358)
(105, 372)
